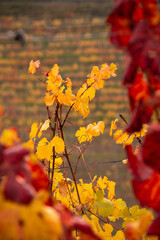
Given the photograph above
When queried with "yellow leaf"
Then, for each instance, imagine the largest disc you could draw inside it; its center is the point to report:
(43, 150)
(58, 176)
(58, 143)
(120, 210)
(102, 182)
(34, 130)
(33, 66)
(119, 236)
(90, 92)
(58, 161)
(63, 188)
(117, 135)
(29, 145)
(113, 126)
(144, 130)
(54, 79)
(45, 125)
(122, 138)
(111, 189)
(82, 135)
(102, 205)
(108, 230)
(49, 99)
(112, 69)
(95, 129)
(9, 137)
(86, 91)
(81, 105)
(129, 140)
(66, 98)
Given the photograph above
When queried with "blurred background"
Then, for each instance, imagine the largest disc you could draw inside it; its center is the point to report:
(74, 34)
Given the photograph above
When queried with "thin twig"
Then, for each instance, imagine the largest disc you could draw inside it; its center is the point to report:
(54, 153)
(69, 163)
(81, 152)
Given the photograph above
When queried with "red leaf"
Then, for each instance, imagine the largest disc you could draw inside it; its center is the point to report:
(136, 165)
(130, 71)
(141, 114)
(154, 228)
(125, 15)
(148, 191)
(1, 153)
(138, 91)
(145, 47)
(150, 10)
(18, 190)
(151, 147)
(15, 154)
(39, 178)
(13, 158)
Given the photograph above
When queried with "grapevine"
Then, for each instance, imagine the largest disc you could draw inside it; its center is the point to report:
(135, 27)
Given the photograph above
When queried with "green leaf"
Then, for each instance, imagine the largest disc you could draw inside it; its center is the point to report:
(102, 205)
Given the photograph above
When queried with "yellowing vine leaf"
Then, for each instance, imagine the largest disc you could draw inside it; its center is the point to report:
(111, 190)
(113, 126)
(81, 105)
(92, 130)
(102, 205)
(124, 138)
(97, 76)
(107, 231)
(86, 91)
(95, 129)
(45, 125)
(43, 150)
(58, 143)
(82, 135)
(54, 79)
(102, 182)
(120, 210)
(33, 66)
(34, 130)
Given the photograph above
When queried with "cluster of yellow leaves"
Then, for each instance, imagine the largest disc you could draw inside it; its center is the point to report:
(124, 138)
(106, 231)
(94, 82)
(99, 198)
(33, 66)
(58, 90)
(92, 130)
(33, 221)
(97, 76)
(44, 149)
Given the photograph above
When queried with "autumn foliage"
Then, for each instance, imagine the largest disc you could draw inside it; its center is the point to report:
(45, 197)
(37, 198)
(135, 27)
